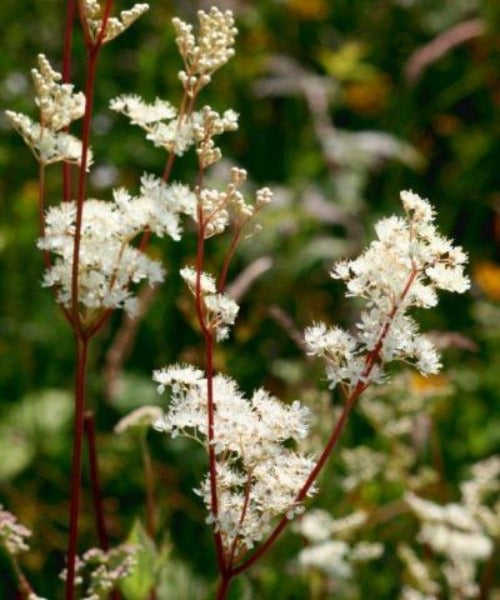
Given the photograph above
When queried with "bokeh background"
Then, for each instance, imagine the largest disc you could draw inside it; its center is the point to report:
(342, 104)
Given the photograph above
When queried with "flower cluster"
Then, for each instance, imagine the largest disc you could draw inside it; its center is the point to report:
(13, 535)
(108, 263)
(462, 533)
(178, 130)
(99, 571)
(403, 268)
(220, 310)
(208, 51)
(59, 105)
(335, 557)
(259, 474)
(175, 132)
(114, 25)
(217, 209)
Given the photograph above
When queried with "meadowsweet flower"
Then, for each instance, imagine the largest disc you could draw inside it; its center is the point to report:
(454, 532)
(108, 264)
(59, 105)
(206, 52)
(335, 557)
(141, 113)
(318, 525)
(403, 268)
(114, 25)
(13, 535)
(48, 146)
(220, 310)
(253, 460)
(99, 572)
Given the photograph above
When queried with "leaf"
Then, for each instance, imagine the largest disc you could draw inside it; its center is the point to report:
(143, 577)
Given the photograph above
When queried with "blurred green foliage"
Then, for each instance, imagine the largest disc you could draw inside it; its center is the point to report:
(437, 133)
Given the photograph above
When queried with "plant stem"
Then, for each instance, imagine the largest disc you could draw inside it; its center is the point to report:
(223, 586)
(82, 179)
(150, 488)
(81, 364)
(227, 260)
(66, 73)
(92, 56)
(89, 424)
(208, 337)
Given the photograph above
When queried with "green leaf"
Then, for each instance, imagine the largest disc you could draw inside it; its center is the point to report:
(139, 583)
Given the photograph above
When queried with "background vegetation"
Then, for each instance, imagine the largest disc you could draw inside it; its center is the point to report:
(340, 109)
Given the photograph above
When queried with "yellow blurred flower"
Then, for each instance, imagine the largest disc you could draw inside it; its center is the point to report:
(487, 277)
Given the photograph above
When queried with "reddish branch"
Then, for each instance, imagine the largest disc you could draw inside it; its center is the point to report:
(350, 401)
(82, 338)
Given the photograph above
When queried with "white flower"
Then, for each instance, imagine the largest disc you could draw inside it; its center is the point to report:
(403, 268)
(209, 50)
(108, 264)
(57, 103)
(48, 146)
(140, 112)
(114, 25)
(249, 441)
(13, 535)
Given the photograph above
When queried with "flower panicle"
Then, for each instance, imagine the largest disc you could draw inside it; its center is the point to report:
(404, 267)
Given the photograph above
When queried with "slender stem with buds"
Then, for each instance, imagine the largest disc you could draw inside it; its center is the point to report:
(209, 343)
(82, 340)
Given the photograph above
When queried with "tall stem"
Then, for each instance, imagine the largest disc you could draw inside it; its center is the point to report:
(89, 423)
(76, 468)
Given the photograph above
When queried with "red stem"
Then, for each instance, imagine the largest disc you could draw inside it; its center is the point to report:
(81, 363)
(66, 74)
(371, 359)
(92, 56)
(89, 423)
(81, 339)
(223, 587)
(227, 260)
(82, 179)
(168, 167)
(208, 337)
(246, 502)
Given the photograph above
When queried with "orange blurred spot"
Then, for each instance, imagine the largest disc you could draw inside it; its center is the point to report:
(487, 277)
(427, 386)
(309, 9)
(367, 97)
(446, 124)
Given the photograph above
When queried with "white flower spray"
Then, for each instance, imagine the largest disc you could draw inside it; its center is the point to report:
(94, 256)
